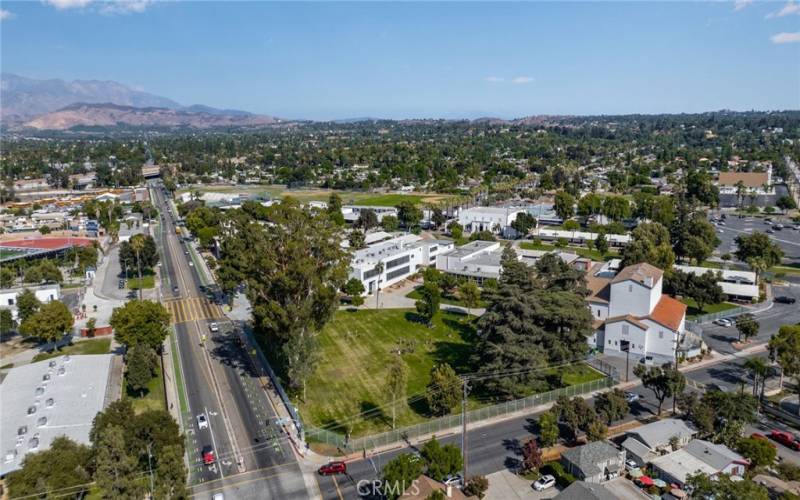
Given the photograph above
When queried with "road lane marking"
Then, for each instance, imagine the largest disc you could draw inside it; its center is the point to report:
(336, 484)
(192, 309)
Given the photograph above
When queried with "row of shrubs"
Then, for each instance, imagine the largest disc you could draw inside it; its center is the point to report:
(555, 469)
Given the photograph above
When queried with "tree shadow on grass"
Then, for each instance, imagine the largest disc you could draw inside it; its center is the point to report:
(454, 354)
(371, 411)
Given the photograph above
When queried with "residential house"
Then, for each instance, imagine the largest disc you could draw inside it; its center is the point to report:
(698, 456)
(631, 312)
(644, 443)
(594, 462)
(423, 487)
(580, 490)
(45, 293)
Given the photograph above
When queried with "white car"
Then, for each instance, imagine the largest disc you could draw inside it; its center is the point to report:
(630, 465)
(544, 482)
(631, 397)
(723, 322)
(454, 480)
(202, 422)
(213, 327)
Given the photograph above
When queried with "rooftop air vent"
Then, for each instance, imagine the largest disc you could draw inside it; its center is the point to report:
(62, 371)
(45, 377)
(52, 363)
(22, 430)
(41, 422)
(33, 443)
(50, 402)
(66, 359)
(31, 410)
(39, 390)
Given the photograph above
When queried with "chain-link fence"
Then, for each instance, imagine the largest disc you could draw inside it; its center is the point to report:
(439, 425)
(705, 318)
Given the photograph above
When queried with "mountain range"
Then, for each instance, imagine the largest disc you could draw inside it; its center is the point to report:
(27, 103)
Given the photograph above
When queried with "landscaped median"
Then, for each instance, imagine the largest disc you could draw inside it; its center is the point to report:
(347, 394)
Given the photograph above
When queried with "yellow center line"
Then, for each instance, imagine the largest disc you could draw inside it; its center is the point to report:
(338, 491)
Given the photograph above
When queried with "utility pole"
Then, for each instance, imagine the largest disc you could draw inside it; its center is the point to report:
(677, 344)
(150, 468)
(465, 386)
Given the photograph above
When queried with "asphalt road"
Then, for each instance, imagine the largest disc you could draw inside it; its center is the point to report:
(719, 338)
(788, 239)
(254, 460)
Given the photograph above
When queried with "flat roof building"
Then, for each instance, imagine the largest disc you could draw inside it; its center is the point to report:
(47, 399)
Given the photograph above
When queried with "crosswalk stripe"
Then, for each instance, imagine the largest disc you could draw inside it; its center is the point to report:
(192, 309)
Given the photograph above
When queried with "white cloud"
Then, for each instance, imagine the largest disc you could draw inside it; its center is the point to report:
(790, 8)
(103, 6)
(741, 4)
(68, 4)
(494, 79)
(5, 14)
(786, 38)
(519, 80)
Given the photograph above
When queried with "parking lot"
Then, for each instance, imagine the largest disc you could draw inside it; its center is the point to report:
(788, 239)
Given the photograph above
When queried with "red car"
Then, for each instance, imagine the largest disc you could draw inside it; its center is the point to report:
(786, 439)
(333, 468)
(208, 455)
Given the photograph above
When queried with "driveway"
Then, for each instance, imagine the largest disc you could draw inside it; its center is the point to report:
(507, 485)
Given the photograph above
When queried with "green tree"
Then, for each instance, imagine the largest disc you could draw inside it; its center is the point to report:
(723, 488)
(597, 430)
(704, 289)
(470, 295)
(141, 322)
(548, 428)
(390, 223)
(575, 413)
(396, 380)
(334, 209)
(758, 245)
(408, 214)
(142, 363)
(523, 223)
(746, 326)
(785, 203)
(170, 477)
(147, 256)
(456, 231)
(7, 277)
(45, 271)
(758, 369)
(760, 452)
(27, 304)
(665, 381)
(590, 204)
(784, 349)
(428, 304)
(354, 288)
(612, 405)
(44, 230)
(294, 267)
(444, 390)
(650, 242)
(7, 323)
(65, 464)
(367, 219)
(399, 474)
(564, 205)
(601, 243)
(616, 207)
(357, 240)
(117, 469)
(441, 461)
(50, 323)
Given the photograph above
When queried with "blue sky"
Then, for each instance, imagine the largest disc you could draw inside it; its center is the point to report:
(403, 60)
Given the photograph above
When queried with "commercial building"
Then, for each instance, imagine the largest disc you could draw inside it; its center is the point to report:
(386, 262)
(45, 293)
(48, 399)
(494, 219)
(736, 284)
(746, 188)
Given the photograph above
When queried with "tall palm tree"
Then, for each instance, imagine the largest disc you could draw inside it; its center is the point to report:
(739, 193)
(758, 368)
(137, 245)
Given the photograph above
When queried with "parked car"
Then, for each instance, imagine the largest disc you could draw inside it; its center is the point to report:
(785, 300)
(213, 327)
(631, 464)
(454, 480)
(769, 231)
(716, 387)
(202, 422)
(632, 397)
(333, 468)
(209, 457)
(758, 435)
(723, 322)
(786, 439)
(175, 289)
(121, 284)
(647, 360)
(544, 482)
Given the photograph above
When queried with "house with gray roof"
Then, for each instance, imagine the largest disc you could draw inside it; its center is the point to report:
(649, 441)
(594, 462)
(698, 456)
(580, 490)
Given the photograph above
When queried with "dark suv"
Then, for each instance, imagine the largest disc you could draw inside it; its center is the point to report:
(785, 300)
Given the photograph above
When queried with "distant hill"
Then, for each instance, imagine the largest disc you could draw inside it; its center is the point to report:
(24, 98)
(92, 115)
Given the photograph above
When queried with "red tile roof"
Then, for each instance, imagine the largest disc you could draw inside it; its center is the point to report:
(669, 312)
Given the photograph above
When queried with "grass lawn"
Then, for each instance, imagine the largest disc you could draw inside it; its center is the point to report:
(146, 282)
(356, 348)
(96, 346)
(693, 311)
(305, 195)
(152, 398)
(415, 295)
(582, 251)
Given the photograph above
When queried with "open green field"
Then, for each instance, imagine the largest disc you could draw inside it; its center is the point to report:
(306, 195)
(146, 282)
(692, 312)
(153, 398)
(356, 347)
(95, 346)
(582, 251)
(7, 254)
